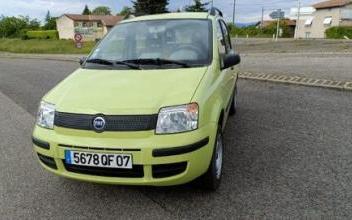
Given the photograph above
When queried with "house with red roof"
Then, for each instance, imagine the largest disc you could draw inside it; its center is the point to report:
(91, 27)
(331, 13)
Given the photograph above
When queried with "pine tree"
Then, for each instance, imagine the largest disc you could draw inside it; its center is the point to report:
(197, 7)
(86, 11)
(146, 7)
(48, 16)
(50, 22)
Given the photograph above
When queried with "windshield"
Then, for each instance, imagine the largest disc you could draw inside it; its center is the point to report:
(177, 43)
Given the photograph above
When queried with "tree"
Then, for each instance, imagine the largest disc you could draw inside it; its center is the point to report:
(197, 7)
(50, 22)
(86, 11)
(48, 16)
(101, 10)
(14, 27)
(145, 7)
(125, 11)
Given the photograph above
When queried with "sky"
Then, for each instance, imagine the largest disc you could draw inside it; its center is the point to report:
(246, 10)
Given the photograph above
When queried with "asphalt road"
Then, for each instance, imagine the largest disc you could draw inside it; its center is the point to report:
(288, 154)
(335, 66)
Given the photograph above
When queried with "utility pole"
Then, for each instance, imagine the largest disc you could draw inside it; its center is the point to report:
(262, 21)
(298, 17)
(278, 29)
(212, 3)
(234, 12)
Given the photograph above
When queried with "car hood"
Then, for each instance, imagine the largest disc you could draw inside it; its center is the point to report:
(125, 91)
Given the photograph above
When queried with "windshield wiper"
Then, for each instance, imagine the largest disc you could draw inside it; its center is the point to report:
(112, 63)
(132, 66)
(157, 61)
(100, 61)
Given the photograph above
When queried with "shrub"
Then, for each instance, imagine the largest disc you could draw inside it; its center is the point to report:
(13, 27)
(50, 34)
(339, 32)
(268, 31)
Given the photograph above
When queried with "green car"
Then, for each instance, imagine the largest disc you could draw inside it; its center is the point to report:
(147, 107)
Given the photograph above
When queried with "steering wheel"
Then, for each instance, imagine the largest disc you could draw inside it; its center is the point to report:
(191, 48)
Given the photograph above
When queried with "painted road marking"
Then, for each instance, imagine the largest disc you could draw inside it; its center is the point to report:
(297, 80)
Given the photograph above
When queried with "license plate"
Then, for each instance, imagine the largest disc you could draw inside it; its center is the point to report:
(90, 159)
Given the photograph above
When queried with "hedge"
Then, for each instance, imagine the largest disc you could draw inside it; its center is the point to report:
(50, 34)
(339, 32)
(268, 31)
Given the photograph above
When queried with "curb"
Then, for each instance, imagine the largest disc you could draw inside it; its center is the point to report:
(55, 58)
(297, 80)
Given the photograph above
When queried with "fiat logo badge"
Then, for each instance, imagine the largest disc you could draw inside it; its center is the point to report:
(99, 124)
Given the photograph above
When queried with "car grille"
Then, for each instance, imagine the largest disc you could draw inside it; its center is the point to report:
(113, 122)
(135, 172)
(168, 170)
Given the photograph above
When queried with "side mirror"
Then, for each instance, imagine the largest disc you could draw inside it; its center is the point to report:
(82, 60)
(231, 59)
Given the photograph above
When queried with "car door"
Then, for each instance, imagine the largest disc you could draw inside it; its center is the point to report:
(229, 74)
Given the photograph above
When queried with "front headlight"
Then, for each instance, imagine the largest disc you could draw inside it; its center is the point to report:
(177, 119)
(46, 114)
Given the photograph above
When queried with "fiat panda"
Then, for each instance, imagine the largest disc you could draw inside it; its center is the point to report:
(148, 106)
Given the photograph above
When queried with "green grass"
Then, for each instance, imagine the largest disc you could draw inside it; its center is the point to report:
(44, 46)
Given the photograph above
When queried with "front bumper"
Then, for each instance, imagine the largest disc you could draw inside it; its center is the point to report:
(159, 160)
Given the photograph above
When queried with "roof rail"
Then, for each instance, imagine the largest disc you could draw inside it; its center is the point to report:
(215, 11)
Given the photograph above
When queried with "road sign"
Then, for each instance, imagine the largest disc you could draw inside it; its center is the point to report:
(278, 14)
(78, 40)
(79, 45)
(78, 37)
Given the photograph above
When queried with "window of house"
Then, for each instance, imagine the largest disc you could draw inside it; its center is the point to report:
(99, 24)
(327, 21)
(76, 24)
(307, 35)
(308, 22)
(346, 14)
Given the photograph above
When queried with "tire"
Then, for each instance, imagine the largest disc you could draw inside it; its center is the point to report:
(212, 178)
(233, 108)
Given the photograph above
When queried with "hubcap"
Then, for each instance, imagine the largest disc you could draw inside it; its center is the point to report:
(218, 156)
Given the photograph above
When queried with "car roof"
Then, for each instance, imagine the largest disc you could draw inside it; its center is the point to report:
(178, 15)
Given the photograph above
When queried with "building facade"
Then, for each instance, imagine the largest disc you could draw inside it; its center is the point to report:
(327, 14)
(91, 27)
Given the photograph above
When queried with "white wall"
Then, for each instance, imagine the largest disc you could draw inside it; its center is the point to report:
(317, 29)
(65, 27)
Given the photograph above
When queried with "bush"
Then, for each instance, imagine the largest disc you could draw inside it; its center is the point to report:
(339, 32)
(251, 31)
(50, 34)
(13, 27)
(268, 31)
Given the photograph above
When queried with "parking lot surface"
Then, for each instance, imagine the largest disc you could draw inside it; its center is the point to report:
(288, 154)
(335, 66)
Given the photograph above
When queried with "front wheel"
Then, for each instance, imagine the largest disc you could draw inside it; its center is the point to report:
(212, 178)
